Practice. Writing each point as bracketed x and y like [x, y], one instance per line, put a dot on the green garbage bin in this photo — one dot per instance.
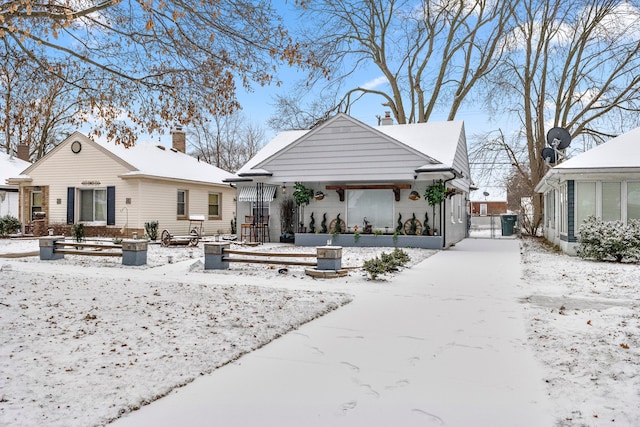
[508, 224]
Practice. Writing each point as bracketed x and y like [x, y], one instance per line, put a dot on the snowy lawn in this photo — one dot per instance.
[85, 339]
[584, 324]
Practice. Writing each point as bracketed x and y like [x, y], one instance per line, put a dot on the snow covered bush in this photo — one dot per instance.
[609, 240]
[9, 225]
[386, 263]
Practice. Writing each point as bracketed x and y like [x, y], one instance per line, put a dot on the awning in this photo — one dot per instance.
[250, 194]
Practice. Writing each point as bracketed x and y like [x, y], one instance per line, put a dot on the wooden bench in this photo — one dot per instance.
[217, 257]
[84, 248]
[132, 251]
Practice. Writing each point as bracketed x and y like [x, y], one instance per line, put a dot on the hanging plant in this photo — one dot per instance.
[436, 193]
[302, 194]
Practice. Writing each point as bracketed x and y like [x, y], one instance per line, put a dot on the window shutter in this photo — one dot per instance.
[111, 205]
[71, 192]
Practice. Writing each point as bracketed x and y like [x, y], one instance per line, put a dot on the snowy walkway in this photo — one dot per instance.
[443, 344]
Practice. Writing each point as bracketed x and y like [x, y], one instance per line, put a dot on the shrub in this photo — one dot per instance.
[151, 228]
[609, 240]
[77, 231]
[9, 225]
[386, 263]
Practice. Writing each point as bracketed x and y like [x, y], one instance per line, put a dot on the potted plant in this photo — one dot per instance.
[287, 220]
[435, 194]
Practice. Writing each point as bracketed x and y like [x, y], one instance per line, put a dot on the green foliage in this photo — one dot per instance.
[312, 224]
[413, 226]
[356, 236]
[301, 194]
[77, 231]
[338, 226]
[377, 233]
[400, 226]
[323, 224]
[436, 193]
[425, 225]
[386, 263]
[151, 228]
[609, 240]
[9, 225]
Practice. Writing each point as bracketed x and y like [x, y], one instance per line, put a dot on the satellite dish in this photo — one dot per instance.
[549, 155]
[558, 138]
[485, 193]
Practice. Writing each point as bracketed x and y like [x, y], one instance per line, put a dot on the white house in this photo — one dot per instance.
[114, 190]
[10, 166]
[602, 182]
[374, 178]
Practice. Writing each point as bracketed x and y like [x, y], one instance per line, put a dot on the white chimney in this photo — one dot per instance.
[386, 120]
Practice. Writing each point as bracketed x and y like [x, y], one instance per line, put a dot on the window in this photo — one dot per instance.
[611, 201]
[563, 208]
[483, 209]
[375, 205]
[93, 205]
[182, 203]
[633, 200]
[36, 203]
[550, 208]
[214, 204]
[585, 201]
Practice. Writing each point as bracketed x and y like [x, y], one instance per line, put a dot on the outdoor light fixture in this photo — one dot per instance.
[414, 195]
[284, 187]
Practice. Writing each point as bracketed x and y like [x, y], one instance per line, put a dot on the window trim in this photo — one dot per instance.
[93, 221]
[214, 217]
[185, 215]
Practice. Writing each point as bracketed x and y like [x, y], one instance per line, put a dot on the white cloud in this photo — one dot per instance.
[372, 84]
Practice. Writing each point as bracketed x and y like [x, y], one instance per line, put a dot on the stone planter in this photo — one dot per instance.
[369, 240]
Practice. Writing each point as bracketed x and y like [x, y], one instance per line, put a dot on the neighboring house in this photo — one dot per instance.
[488, 208]
[369, 175]
[602, 182]
[10, 166]
[115, 190]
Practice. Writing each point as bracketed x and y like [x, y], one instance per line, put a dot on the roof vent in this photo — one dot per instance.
[160, 147]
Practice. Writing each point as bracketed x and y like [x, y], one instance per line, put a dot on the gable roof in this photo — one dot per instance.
[620, 152]
[10, 166]
[620, 155]
[147, 159]
[347, 149]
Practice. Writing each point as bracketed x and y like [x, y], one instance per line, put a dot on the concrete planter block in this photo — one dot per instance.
[134, 252]
[329, 258]
[214, 256]
[47, 245]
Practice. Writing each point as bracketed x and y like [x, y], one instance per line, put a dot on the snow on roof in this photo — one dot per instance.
[438, 140]
[10, 167]
[149, 159]
[620, 152]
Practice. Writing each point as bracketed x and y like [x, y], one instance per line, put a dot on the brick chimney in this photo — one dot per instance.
[386, 120]
[179, 139]
[23, 152]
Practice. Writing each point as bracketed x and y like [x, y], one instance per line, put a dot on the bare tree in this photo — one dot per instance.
[430, 54]
[227, 142]
[575, 66]
[34, 110]
[145, 64]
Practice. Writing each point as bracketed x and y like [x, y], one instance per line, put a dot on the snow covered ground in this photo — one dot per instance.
[85, 339]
